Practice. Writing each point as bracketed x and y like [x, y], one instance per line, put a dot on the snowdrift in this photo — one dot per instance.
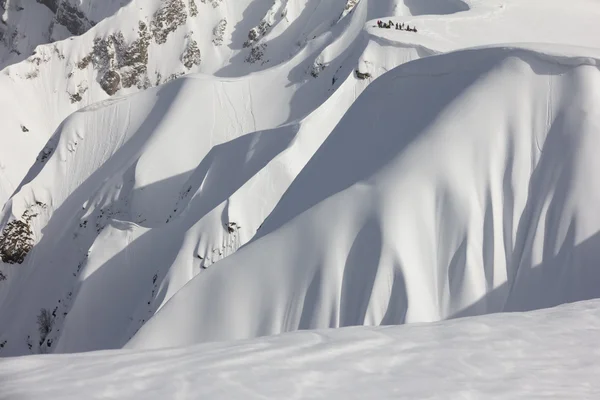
[459, 184]
[550, 353]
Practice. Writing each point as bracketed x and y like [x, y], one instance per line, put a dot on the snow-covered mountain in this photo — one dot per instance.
[186, 171]
[145, 44]
[26, 24]
[472, 205]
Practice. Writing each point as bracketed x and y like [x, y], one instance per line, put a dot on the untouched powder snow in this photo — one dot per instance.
[310, 170]
[549, 354]
[308, 40]
[455, 185]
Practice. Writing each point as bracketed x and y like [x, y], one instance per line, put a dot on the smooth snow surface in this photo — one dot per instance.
[549, 354]
[199, 171]
[474, 203]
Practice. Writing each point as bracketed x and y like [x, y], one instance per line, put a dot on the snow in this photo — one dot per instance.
[549, 354]
[474, 204]
[27, 24]
[308, 171]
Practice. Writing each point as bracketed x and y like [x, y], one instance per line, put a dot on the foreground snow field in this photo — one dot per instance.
[548, 354]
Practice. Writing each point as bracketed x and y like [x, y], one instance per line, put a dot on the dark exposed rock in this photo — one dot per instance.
[44, 154]
[361, 75]
[68, 15]
[317, 68]
[167, 19]
[85, 61]
[17, 39]
[173, 76]
[256, 53]
[123, 65]
[134, 59]
[111, 82]
[256, 33]
[78, 96]
[193, 8]
[219, 32]
[45, 321]
[232, 227]
[51, 4]
[191, 55]
[128, 61]
[72, 18]
[16, 240]
[75, 98]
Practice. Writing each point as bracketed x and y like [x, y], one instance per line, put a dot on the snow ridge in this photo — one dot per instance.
[267, 166]
[395, 240]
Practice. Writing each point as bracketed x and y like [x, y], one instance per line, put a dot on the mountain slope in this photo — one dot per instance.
[163, 168]
[432, 198]
[117, 55]
[444, 202]
[156, 177]
[147, 43]
[26, 24]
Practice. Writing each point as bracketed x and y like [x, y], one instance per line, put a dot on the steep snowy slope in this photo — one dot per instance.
[431, 198]
[550, 354]
[148, 168]
[145, 44]
[146, 159]
[26, 24]
[136, 195]
[149, 42]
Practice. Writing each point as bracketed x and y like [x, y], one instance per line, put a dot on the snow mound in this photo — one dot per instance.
[430, 199]
[550, 353]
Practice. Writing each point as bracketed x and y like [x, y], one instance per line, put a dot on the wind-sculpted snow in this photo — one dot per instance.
[432, 198]
[123, 175]
[453, 187]
[550, 354]
[148, 43]
[136, 164]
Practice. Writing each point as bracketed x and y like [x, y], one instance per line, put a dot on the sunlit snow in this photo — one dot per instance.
[192, 171]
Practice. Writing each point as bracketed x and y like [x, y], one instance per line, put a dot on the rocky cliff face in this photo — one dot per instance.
[69, 16]
[25, 24]
[120, 63]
